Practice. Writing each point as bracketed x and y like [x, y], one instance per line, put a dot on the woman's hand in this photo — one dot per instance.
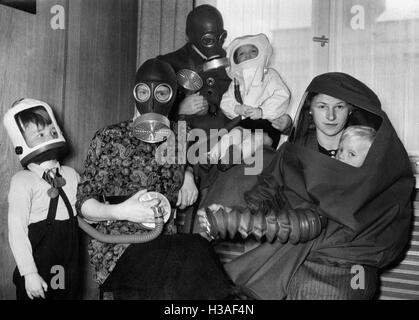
[282, 123]
[188, 193]
[254, 113]
[137, 211]
[35, 286]
[193, 104]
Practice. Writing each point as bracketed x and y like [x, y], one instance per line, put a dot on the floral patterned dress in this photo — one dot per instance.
[118, 164]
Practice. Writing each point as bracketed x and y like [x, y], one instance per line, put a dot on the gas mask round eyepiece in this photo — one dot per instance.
[142, 92]
[163, 93]
[210, 39]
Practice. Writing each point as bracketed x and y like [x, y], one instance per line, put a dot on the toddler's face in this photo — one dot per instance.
[246, 52]
[353, 150]
[35, 135]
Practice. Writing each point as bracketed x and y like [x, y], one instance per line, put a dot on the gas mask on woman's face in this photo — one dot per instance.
[154, 93]
[34, 132]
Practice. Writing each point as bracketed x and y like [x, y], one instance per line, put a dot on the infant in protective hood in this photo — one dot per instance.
[257, 94]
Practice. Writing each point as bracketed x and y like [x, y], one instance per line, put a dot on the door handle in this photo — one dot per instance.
[323, 40]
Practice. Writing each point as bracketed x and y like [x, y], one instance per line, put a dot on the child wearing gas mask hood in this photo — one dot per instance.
[257, 94]
[43, 231]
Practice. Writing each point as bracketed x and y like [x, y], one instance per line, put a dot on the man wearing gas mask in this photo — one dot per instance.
[121, 166]
[200, 68]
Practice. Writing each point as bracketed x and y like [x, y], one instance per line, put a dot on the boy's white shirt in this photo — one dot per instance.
[260, 86]
[24, 188]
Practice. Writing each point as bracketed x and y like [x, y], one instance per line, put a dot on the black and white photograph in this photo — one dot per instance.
[209, 154]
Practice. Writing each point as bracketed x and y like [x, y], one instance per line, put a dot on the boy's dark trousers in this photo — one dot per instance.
[55, 248]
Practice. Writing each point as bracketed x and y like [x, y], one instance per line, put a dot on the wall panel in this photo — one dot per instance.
[31, 65]
[100, 69]
[161, 27]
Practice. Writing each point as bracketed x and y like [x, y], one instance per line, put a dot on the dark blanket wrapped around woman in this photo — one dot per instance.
[368, 208]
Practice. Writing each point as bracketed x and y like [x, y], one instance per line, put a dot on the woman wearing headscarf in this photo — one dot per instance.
[344, 220]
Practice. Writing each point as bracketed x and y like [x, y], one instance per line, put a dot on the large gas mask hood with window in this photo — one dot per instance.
[34, 132]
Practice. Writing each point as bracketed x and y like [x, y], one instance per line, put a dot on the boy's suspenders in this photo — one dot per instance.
[52, 209]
